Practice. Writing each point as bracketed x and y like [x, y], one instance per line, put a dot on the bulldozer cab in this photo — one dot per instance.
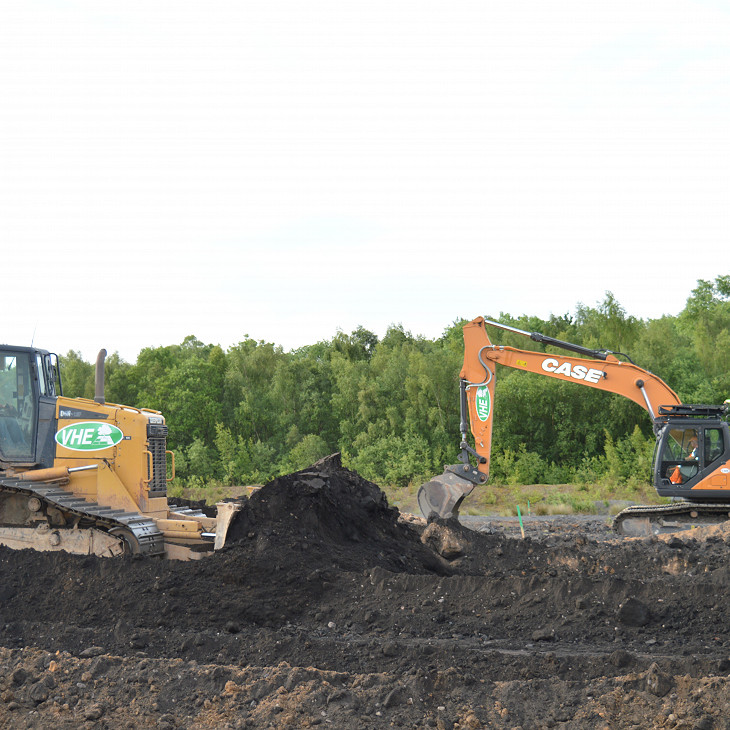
[692, 441]
[28, 386]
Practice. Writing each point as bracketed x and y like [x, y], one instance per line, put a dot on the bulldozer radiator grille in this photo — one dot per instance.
[157, 446]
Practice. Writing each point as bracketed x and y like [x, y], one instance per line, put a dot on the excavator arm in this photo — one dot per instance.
[596, 369]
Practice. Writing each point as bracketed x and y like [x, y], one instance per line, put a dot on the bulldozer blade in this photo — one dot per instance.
[226, 512]
[443, 495]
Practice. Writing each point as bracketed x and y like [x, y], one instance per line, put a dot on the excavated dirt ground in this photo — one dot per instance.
[327, 610]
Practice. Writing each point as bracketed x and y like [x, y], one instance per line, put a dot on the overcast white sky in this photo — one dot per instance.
[283, 170]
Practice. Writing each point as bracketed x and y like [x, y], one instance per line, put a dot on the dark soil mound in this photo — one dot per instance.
[335, 517]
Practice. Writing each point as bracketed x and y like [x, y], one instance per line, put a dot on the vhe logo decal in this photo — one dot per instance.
[89, 436]
[483, 402]
[579, 372]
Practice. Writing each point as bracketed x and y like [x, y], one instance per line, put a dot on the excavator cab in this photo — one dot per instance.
[693, 441]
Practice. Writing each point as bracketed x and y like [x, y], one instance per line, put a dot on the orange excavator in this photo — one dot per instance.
[691, 462]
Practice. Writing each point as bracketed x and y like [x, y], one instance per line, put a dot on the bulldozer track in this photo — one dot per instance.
[143, 529]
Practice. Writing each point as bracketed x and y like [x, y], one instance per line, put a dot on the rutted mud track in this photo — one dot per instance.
[327, 610]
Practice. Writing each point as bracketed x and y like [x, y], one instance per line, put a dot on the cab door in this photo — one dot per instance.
[18, 407]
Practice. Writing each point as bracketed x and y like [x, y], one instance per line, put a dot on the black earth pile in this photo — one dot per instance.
[329, 517]
[327, 610]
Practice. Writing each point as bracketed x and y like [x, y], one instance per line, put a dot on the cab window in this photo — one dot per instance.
[686, 451]
[714, 445]
[679, 444]
[41, 374]
[680, 455]
[17, 407]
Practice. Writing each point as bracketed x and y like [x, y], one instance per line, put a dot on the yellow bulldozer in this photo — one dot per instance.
[87, 476]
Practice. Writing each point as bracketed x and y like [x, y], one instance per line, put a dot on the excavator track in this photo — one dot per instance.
[133, 531]
[640, 520]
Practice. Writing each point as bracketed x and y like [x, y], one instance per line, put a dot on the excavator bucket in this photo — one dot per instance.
[443, 495]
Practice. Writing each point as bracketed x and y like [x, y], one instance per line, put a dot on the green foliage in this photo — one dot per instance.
[518, 466]
[118, 389]
[77, 376]
[306, 451]
[576, 501]
[628, 460]
[249, 406]
[200, 460]
[607, 326]
[396, 460]
[391, 406]
[242, 460]
[706, 322]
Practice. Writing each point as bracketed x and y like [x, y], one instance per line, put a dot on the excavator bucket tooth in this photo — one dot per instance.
[443, 495]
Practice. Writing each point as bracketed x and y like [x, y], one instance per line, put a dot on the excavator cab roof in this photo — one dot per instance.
[688, 410]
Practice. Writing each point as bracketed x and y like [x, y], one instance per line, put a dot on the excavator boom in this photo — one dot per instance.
[598, 369]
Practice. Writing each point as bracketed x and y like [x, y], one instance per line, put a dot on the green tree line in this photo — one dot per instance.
[391, 405]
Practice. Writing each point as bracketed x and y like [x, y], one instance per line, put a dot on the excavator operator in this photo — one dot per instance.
[683, 472]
